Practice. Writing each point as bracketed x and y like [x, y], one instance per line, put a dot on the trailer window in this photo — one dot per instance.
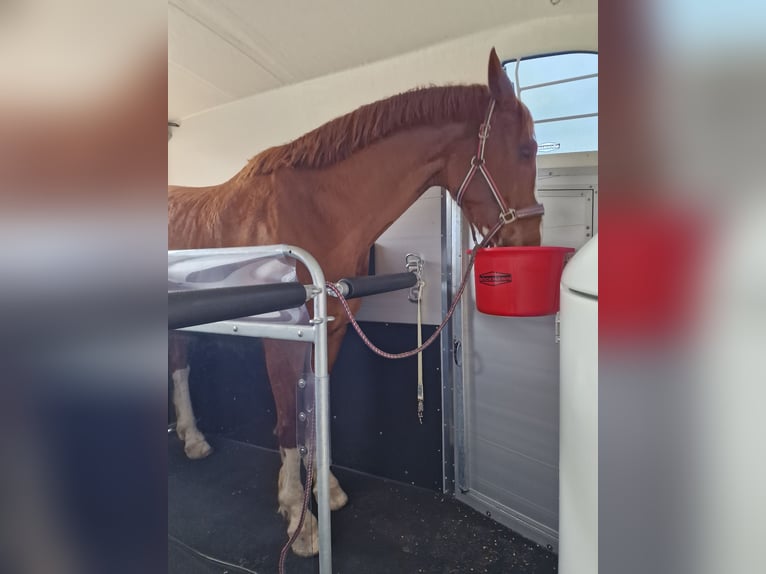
[561, 91]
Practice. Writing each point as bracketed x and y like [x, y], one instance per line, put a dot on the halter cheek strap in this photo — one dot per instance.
[507, 214]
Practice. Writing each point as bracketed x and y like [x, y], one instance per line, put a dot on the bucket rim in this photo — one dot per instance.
[525, 249]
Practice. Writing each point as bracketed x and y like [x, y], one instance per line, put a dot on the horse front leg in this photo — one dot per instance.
[335, 334]
[195, 445]
[284, 363]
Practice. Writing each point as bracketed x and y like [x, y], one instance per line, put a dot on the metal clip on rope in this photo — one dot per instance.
[335, 290]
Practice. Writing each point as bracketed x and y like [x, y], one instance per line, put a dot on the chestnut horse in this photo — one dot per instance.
[334, 191]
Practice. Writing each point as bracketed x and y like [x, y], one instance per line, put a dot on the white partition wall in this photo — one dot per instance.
[578, 460]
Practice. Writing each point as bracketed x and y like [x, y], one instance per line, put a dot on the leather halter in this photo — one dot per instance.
[507, 214]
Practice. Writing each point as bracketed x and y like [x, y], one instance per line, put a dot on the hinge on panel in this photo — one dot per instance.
[557, 327]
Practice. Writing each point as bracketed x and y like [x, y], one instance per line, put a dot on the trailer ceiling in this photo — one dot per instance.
[226, 50]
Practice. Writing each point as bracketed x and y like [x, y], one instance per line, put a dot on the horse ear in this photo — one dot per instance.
[500, 85]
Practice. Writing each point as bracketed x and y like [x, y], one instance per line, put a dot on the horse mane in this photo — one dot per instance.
[340, 138]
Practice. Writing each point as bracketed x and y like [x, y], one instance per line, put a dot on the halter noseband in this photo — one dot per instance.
[507, 214]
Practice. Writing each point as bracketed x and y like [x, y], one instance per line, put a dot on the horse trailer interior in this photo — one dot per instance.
[473, 486]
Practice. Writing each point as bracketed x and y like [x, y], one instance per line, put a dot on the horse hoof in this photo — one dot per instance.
[307, 543]
[198, 449]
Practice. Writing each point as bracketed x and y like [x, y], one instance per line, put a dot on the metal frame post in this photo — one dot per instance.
[322, 407]
[316, 332]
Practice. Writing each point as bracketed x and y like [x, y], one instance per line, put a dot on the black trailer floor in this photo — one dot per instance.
[225, 506]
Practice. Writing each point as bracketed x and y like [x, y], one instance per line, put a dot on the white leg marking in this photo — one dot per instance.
[195, 445]
[291, 502]
[338, 498]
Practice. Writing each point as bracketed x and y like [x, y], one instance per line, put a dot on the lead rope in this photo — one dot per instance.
[421, 392]
[336, 291]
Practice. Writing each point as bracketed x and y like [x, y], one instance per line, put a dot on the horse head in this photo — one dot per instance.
[492, 173]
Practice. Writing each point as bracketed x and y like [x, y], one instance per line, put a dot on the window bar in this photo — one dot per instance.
[564, 118]
[561, 81]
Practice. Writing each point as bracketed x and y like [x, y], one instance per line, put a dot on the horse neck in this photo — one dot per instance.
[375, 186]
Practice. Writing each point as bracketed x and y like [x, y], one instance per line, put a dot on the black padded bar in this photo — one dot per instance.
[201, 306]
[375, 284]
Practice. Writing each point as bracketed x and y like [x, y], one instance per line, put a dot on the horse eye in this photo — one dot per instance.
[525, 152]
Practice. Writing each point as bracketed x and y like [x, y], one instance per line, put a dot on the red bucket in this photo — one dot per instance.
[519, 281]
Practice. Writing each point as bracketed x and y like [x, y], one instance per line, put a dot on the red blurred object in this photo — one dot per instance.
[519, 281]
[650, 271]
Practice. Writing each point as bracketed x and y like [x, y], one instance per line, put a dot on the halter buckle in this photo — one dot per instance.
[484, 131]
[477, 161]
[507, 217]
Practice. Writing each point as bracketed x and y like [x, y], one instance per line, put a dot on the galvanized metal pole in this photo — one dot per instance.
[322, 408]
